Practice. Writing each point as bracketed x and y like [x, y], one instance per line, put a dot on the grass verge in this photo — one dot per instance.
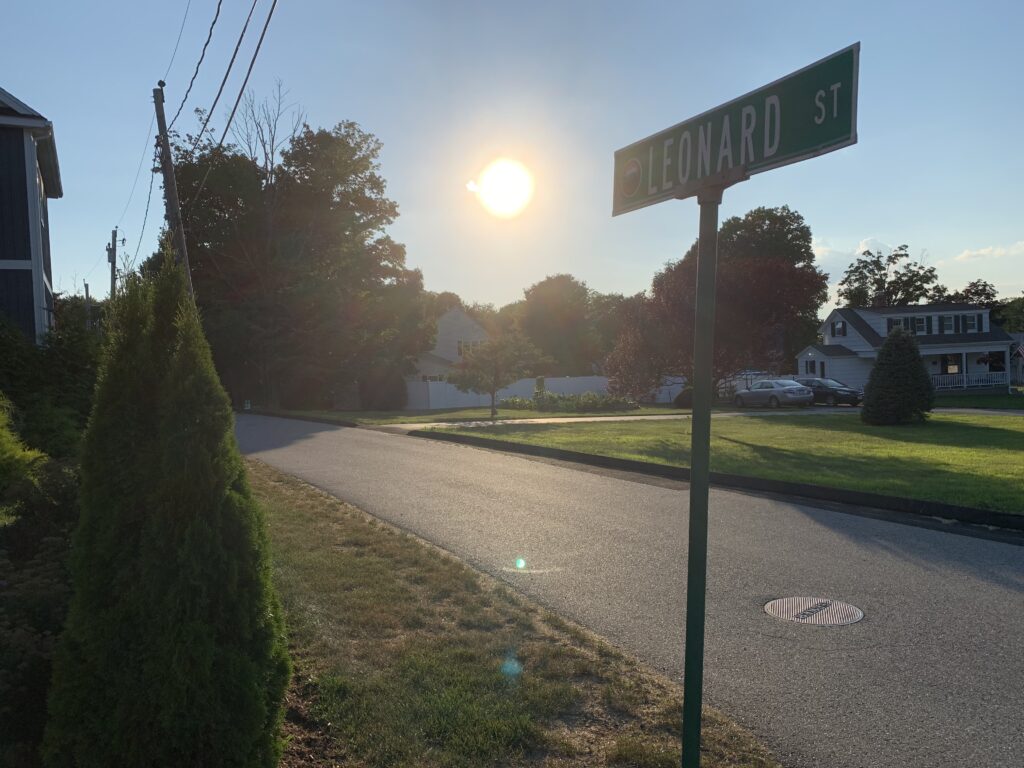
[964, 459]
[404, 656]
[455, 415]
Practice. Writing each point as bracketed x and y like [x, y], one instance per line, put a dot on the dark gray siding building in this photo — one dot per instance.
[29, 177]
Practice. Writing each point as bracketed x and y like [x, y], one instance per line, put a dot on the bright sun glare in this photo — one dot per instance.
[504, 188]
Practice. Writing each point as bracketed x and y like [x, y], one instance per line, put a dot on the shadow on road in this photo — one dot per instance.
[265, 433]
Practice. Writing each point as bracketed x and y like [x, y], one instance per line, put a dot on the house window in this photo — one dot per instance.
[839, 328]
[809, 367]
[945, 324]
[919, 325]
[467, 347]
[970, 323]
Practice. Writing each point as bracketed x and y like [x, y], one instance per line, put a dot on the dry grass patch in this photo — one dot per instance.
[405, 656]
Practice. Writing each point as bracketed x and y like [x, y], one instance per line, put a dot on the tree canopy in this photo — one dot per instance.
[302, 292]
[877, 279]
[768, 294]
[495, 365]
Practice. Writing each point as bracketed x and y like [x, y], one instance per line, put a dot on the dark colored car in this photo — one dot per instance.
[832, 392]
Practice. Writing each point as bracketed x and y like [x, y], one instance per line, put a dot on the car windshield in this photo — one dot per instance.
[786, 383]
[832, 383]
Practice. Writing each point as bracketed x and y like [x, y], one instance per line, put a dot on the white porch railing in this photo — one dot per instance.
[969, 380]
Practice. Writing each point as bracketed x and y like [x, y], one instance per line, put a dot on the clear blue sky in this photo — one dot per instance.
[448, 86]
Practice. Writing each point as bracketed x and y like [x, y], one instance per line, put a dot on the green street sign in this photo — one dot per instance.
[802, 115]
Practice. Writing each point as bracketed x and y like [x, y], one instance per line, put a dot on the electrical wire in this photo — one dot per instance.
[241, 91]
[224, 80]
[138, 169]
[145, 216]
[202, 55]
[176, 42]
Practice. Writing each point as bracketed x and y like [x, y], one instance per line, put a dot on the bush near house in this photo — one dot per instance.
[899, 390]
[588, 402]
[173, 652]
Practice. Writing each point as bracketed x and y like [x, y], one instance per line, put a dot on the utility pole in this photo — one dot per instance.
[172, 208]
[112, 258]
[88, 309]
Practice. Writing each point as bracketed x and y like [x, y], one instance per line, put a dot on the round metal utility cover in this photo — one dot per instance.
[820, 611]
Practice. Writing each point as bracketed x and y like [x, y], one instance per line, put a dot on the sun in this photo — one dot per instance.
[505, 188]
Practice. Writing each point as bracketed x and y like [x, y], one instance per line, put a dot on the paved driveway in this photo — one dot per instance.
[933, 676]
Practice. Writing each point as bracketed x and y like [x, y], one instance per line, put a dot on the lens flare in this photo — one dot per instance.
[520, 563]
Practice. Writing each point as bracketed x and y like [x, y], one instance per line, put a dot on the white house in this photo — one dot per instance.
[29, 176]
[457, 334]
[960, 348]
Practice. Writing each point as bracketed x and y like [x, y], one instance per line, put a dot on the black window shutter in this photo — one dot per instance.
[980, 327]
[941, 318]
[833, 329]
[889, 323]
[956, 323]
[928, 324]
[844, 327]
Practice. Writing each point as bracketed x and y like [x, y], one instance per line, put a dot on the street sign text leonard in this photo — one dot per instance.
[802, 115]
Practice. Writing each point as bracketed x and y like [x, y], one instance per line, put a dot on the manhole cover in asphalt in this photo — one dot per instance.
[814, 610]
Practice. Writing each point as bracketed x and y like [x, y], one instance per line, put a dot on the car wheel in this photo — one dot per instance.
[738, 401]
[830, 400]
[773, 402]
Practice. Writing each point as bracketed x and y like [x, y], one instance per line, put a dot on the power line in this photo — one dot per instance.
[224, 80]
[145, 216]
[138, 169]
[199, 63]
[176, 42]
[241, 91]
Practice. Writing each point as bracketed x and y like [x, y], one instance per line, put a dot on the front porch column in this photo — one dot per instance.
[963, 370]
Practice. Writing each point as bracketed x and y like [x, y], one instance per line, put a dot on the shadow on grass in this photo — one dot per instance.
[944, 432]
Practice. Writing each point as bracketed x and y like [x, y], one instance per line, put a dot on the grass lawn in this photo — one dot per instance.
[1002, 402]
[463, 414]
[406, 657]
[970, 460]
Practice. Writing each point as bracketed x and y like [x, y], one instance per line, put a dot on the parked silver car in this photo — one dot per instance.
[773, 393]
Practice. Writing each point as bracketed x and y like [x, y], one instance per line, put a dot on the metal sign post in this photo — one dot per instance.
[803, 115]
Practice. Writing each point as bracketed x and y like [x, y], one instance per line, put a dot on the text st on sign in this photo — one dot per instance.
[802, 115]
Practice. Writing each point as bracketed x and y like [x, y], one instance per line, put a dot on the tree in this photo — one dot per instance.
[980, 292]
[766, 304]
[556, 319]
[880, 280]
[899, 390]
[495, 365]
[302, 292]
[1010, 314]
[173, 652]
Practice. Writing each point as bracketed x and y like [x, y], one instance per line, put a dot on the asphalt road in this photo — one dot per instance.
[933, 675]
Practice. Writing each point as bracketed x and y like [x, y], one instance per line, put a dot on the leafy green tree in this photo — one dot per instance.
[980, 292]
[767, 299]
[1010, 314]
[173, 652]
[556, 319]
[899, 390]
[888, 280]
[302, 292]
[495, 365]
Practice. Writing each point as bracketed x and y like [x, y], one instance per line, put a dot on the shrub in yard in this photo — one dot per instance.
[173, 652]
[899, 390]
[588, 402]
[516, 404]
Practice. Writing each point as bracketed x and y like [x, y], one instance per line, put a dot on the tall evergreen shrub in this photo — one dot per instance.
[899, 390]
[173, 653]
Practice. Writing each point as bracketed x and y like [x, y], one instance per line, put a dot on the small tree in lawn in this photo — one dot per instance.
[899, 390]
[494, 366]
